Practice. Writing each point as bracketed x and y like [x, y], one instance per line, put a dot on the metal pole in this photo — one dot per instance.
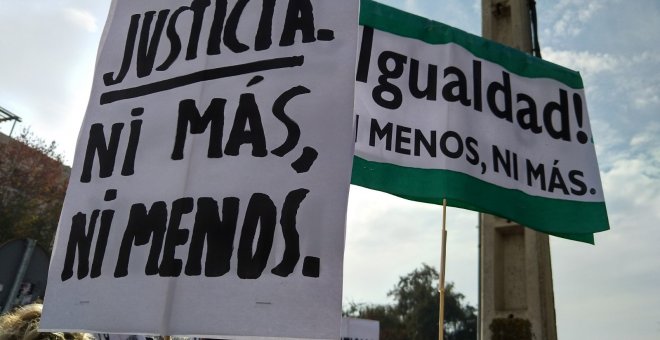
[441, 283]
[479, 279]
[12, 128]
[25, 263]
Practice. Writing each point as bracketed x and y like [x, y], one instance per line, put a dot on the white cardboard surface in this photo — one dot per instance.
[306, 86]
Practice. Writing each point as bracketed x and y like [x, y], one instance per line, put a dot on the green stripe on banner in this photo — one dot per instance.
[392, 20]
[567, 219]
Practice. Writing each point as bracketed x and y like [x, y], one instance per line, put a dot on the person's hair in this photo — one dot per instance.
[23, 324]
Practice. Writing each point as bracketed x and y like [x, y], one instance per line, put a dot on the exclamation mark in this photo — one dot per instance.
[577, 103]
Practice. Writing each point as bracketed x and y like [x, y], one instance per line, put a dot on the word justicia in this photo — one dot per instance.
[226, 32]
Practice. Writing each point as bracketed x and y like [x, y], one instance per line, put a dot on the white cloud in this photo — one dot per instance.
[586, 62]
[585, 13]
[635, 76]
[645, 148]
[632, 186]
[573, 15]
[647, 138]
[609, 143]
[81, 18]
[388, 237]
[47, 81]
[619, 273]
[645, 93]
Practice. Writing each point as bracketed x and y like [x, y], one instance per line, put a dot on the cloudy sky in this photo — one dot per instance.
[606, 291]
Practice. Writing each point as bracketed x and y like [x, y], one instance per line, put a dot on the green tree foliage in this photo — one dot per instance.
[33, 182]
[415, 314]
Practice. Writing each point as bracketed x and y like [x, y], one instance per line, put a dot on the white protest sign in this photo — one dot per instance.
[209, 188]
[359, 329]
[441, 113]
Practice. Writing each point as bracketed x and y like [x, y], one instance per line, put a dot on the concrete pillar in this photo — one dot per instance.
[516, 277]
[515, 270]
[507, 22]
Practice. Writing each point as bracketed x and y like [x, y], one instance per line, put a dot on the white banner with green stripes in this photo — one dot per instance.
[440, 113]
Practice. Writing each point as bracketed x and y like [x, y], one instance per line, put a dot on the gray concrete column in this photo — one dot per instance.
[515, 270]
